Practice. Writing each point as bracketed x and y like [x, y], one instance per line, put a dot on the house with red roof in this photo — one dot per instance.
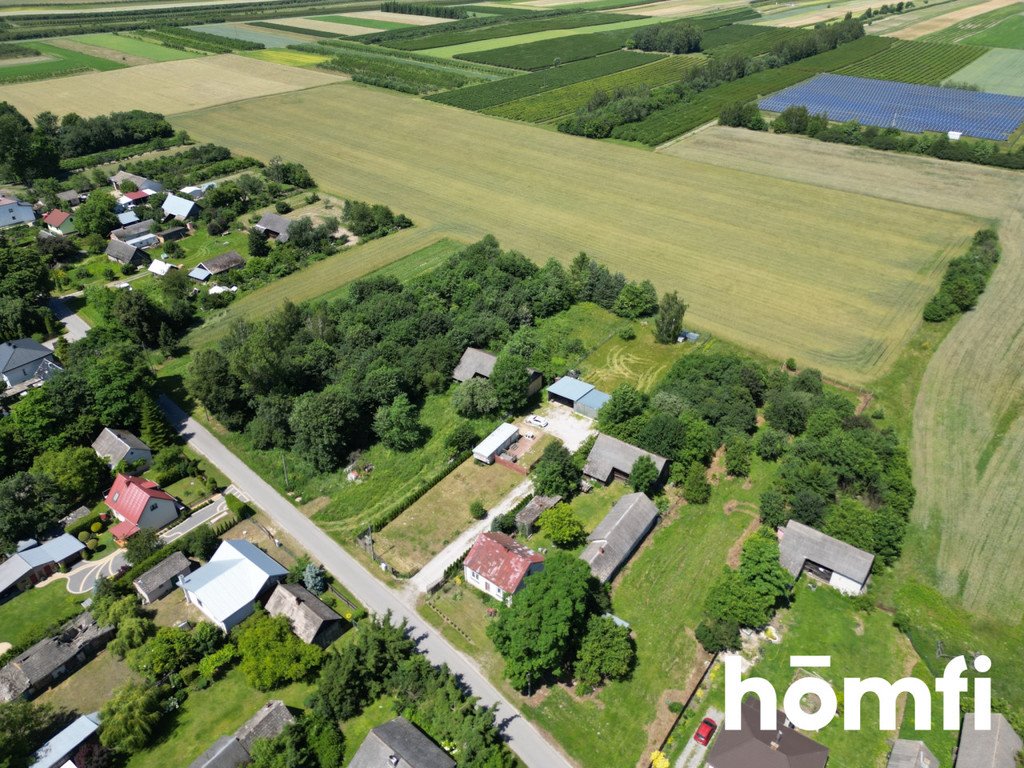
[498, 565]
[139, 503]
[59, 222]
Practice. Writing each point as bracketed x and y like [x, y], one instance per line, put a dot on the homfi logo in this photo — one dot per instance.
[952, 685]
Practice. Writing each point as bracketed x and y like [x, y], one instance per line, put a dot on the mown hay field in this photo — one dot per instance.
[998, 71]
[168, 87]
[837, 280]
[133, 46]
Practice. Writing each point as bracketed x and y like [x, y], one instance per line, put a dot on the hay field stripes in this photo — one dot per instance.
[167, 87]
[999, 10]
[1009, 33]
[915, 61]
[933, 18]
[998, 71]
[551, 105]
[849, 293]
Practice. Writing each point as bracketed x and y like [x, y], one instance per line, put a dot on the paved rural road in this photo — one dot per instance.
[432, 573]
[533, 749]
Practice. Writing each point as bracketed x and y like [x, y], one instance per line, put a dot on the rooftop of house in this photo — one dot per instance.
[21, 352]
[911, 754]
[400, 744]
[129, 496]
[233, 751]
[276, 223]
[160, 573]
[223, 262]
[122, 252]
[994, 748]
[306, 612]
[501, 560]
[619, 534]
[132, 230]
[569, 388]
[474, 362]
[116, 443]
[178, 206]
[610, 455]
[233, 578]
[56, 217]
[779, 747]
[800, 543]
[34, 555]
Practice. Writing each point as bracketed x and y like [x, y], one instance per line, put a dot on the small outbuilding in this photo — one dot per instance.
[584, 398]
[496, 443]
[841, 565]
[611, 458]
[160, 268]
[123, 253]
[498, 565]
[312, 620]
[217, 265]
[274, 226]
[400, 744]
[132, 232]
[997, 747]
[527, 517]
[618, 536]
[59, 751]
[911, 754]
[117, 445]
[162, 577]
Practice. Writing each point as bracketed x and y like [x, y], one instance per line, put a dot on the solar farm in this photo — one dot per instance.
[914, 108]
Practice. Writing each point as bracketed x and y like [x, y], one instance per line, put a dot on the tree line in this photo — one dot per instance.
[425, 9]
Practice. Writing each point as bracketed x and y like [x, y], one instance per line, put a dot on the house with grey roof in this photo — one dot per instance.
[123, 253]
[162, 577]
[217, 265]
[312, 620]
[911, 754]
[750, 747]
[59, 751]
[127, 217]
[234, 750]
[51, 660]
[117, 445]
[611, 458]
[618, 536]
[21, 361]
[400, 744]
[227, 587]
[34, 562]
[841, 565]
[997, 747]
[274, 226]
[179, 208]
[479, 364]
[528, 516]
[132, 232]
[140, 182]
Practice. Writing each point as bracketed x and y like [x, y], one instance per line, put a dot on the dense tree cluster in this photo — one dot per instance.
[382, 660]
[552, 630]
[743, 115]
[668, 38]
[272, 656]
[365, 220]
[24, 725]
[25, 283]
[965, 279]
[190, 166]
[426, 9]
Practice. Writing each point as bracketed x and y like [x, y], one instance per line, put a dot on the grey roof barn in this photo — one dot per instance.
[994, 748]
[162, 577]
[474, 362]
[223, 262]
[400, 744]
[801, 544]
[115, 445]
[610, 457]
[617, 537]
[233, 751]
[130, 232]
[275, 226]
[911, 754]
[124, 253]
[312, 620]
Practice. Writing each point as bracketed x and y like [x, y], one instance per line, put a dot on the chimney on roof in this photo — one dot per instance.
[393, 759]
[777, 741]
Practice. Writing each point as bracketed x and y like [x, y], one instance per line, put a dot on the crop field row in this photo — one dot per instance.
[551, 105]
[915, 61]
[492, 94]
[360, 22]
[133, 46]
[959, 32]
[753, 45]
[851, 292]
[63, 62]
[509, 29]
[734, 33]
[498, 10]
[679, 118]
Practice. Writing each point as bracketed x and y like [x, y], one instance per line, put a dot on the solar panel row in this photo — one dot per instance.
[914, 108]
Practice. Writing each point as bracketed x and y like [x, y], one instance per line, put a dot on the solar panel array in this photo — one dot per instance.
[913, 108]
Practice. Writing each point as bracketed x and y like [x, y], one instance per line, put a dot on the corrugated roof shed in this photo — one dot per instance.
[498, 438]
[529, 514]
[53, 752]
[400, 738]
[801, 543]
[610, 455]
[569, 388]
[911, 754]
[474, 362]
[617, 536]
[995, 748]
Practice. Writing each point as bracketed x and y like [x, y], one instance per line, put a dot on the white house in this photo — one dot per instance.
[226, 588]
[496, 442]
[117, 445]
[139, 503]
[497, 564]
[841, 565]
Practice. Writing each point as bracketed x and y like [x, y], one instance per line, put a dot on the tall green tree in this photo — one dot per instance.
[96, 215]
[29, 504]
[510, 380]
[323, 423]
[24, 725]
[397, 426]
[78, 474]
[562, 526]
[143, 544]
[696, 488]
[155, 431]
[636, 300]
[606, 653]
[668, 323]
[129, 718]
[555, 473]
[258, 245]
[643, 477]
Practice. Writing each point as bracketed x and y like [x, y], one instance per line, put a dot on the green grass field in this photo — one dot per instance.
[998, 71]
[851, 294]
[34, 610]
[361, 22]
[135, 47]
[1006, 34]
[915, 61]
[959, 32]
[64, 62]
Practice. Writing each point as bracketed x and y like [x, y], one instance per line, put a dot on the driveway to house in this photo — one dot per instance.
[532, 747]
[75, 327]
[565, 424]
[431, 574]
[83, 576]
[694, 753]
[216, 510]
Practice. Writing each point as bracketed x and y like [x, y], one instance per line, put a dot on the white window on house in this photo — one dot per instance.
[117, 495]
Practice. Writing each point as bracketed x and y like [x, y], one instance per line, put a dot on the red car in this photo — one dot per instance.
[705, 731]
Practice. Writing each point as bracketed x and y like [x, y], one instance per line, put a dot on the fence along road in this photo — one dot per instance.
[527, 742]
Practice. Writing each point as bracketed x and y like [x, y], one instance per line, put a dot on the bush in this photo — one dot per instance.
[96, 527]
[477, 510]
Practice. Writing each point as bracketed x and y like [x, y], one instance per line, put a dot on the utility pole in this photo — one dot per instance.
[284, 466]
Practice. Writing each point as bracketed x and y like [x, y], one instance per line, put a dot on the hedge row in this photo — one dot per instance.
[413, 496]
[121, 153]
[82, 525]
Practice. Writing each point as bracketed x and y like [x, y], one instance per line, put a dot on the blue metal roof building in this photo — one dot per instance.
[60, 748]
[582, 397]
[591, 403]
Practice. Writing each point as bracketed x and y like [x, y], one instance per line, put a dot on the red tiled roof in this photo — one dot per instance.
[123, 530]
[129, 496]
[139, 195]
[501, 560]
[56, 217]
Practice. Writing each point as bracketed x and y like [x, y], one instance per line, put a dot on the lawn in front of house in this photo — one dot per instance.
[590, 508]
[88, 689]
[357, 728]
[572, 335]
[27, 614]
[207, 715]
[409, 541]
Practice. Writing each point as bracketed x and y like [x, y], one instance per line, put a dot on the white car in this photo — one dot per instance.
[536, 421]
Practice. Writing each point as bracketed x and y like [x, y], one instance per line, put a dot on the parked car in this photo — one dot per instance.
[536, 421]
[705, 731]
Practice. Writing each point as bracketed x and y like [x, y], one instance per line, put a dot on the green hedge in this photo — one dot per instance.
[84, 524]
[121, 153]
